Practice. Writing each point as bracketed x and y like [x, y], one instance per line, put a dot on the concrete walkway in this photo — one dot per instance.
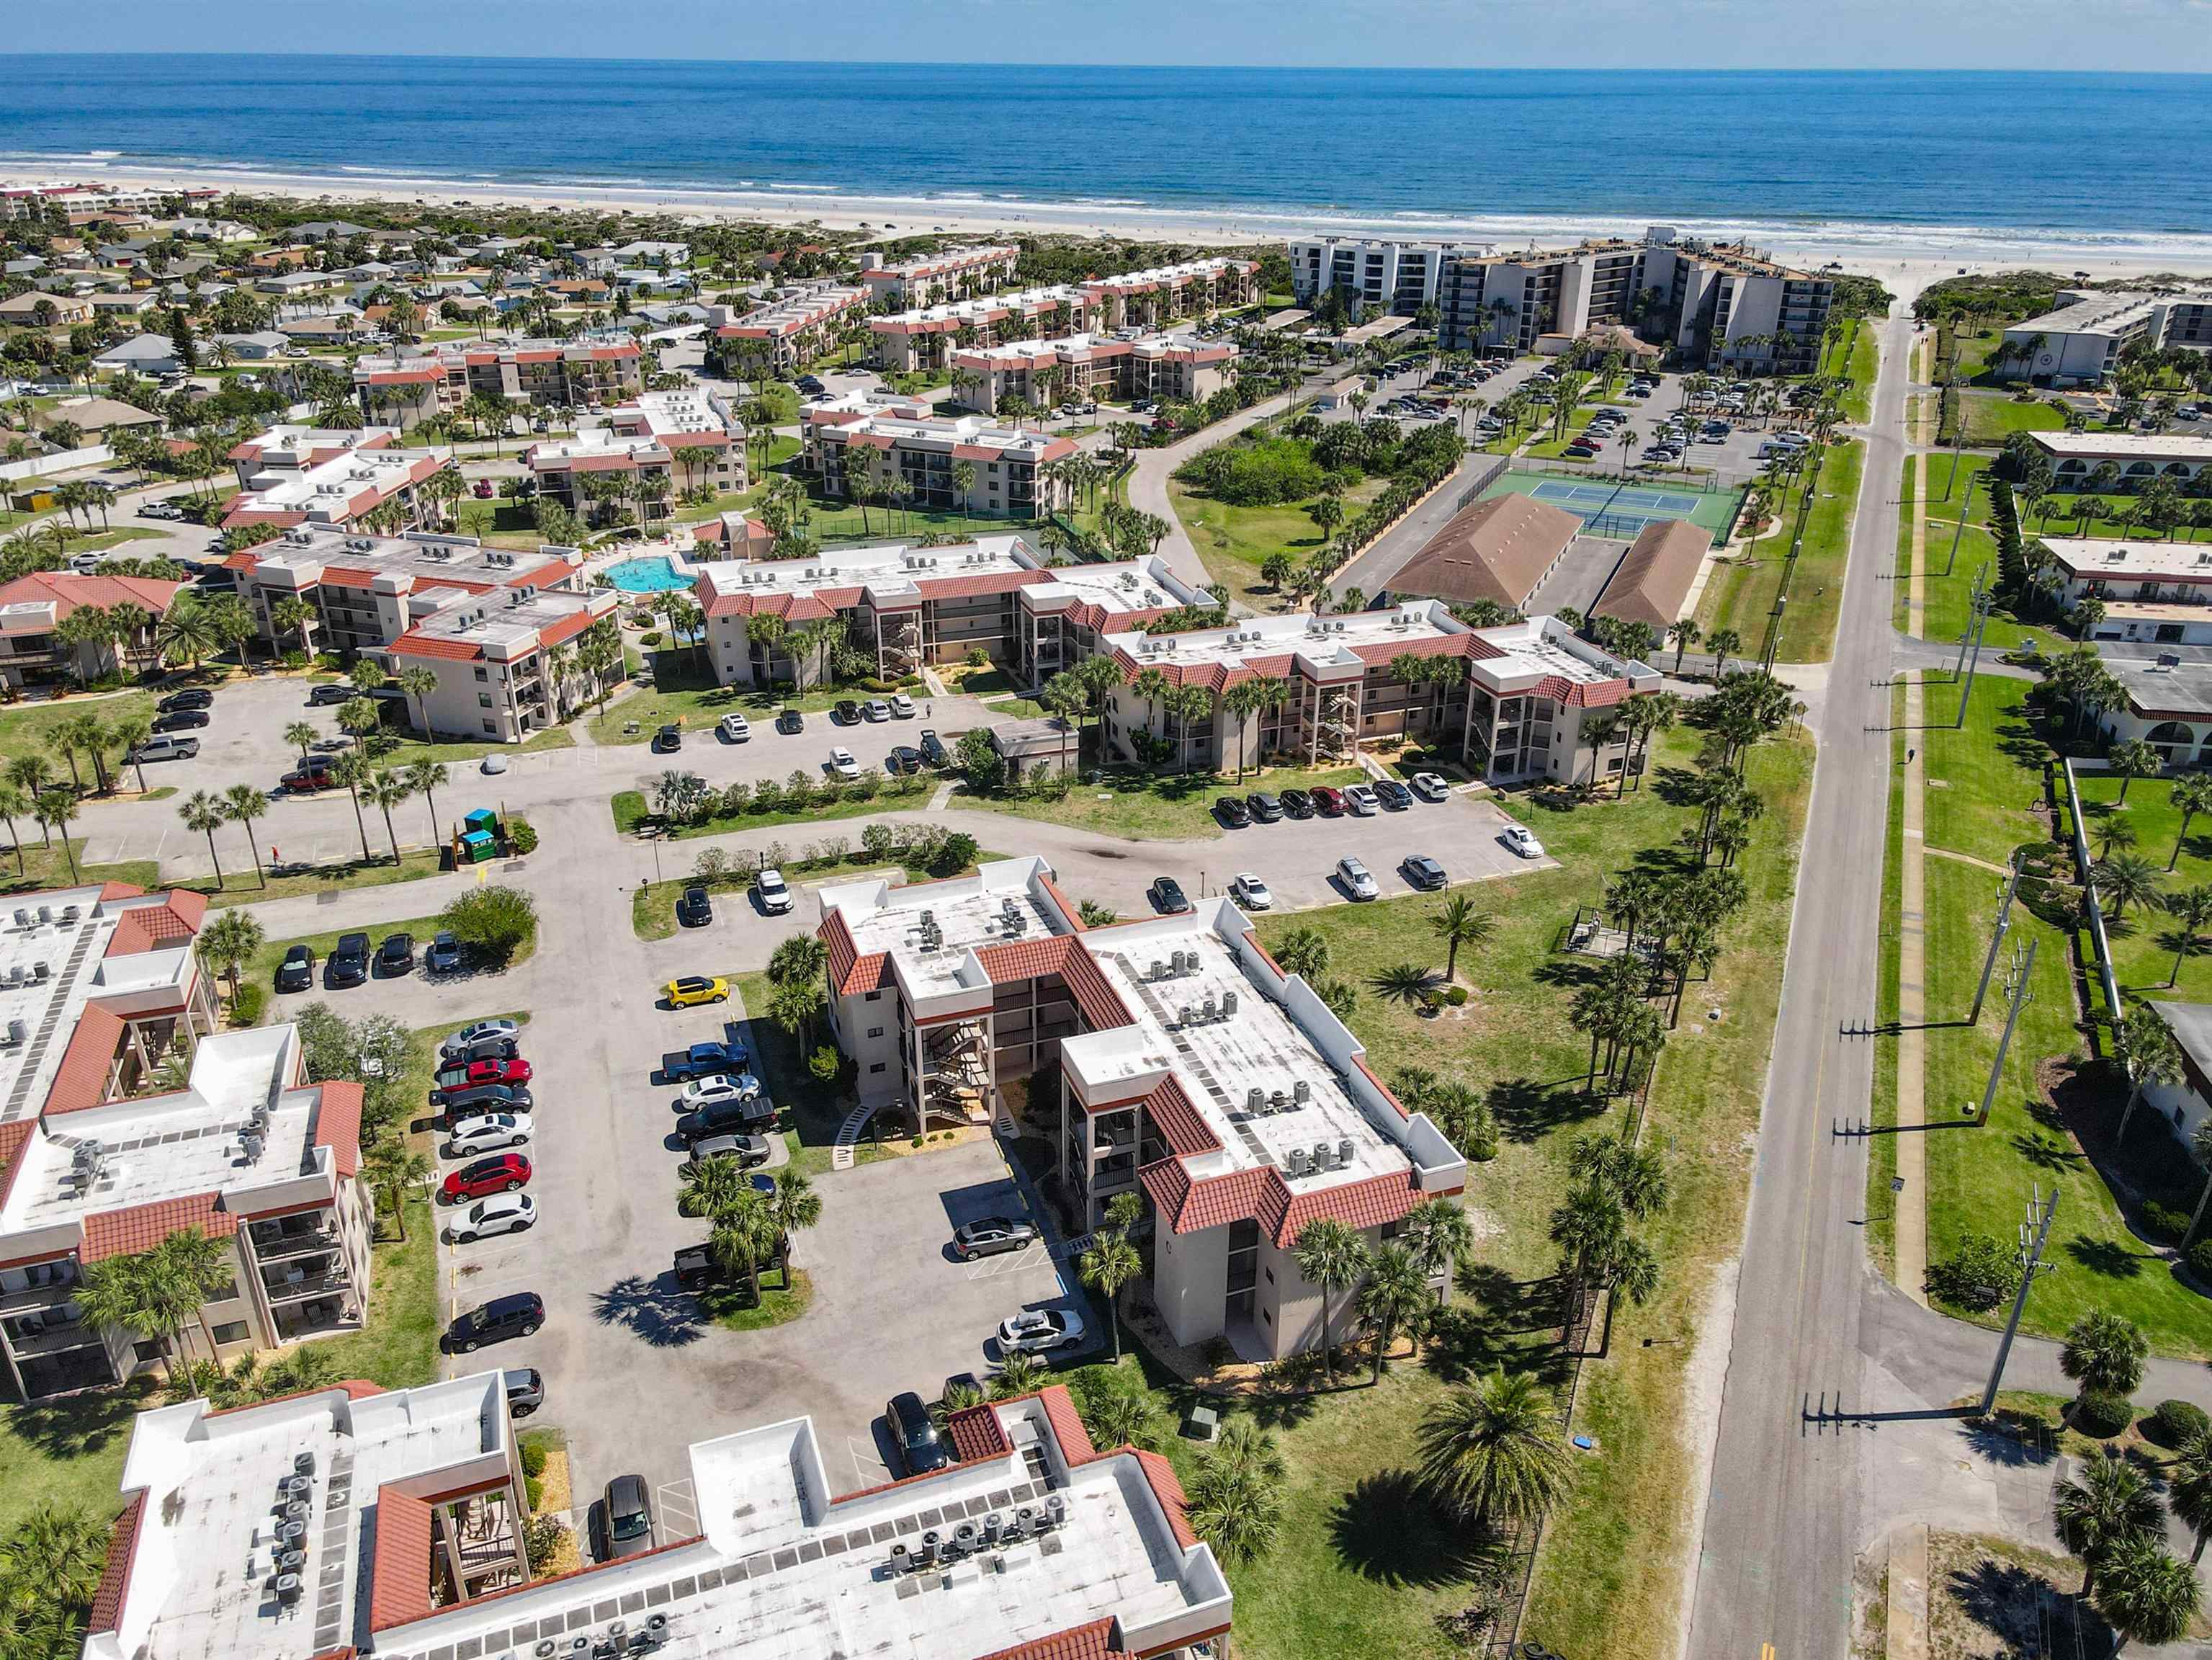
[1912, 1143]
[1148, 482]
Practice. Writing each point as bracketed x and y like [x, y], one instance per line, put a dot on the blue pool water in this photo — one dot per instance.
[656, 574]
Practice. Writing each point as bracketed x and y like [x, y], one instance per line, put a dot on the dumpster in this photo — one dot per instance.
[476, 846]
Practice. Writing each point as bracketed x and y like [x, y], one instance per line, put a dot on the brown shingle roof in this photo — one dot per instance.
[1496, 550]
[1655, 574]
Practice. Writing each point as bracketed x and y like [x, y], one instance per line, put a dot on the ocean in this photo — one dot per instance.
[2051, 160]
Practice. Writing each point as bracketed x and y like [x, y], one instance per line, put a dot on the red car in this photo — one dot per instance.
[483, 490]
[502, 1173]
[516, 1071]
[1329, 803]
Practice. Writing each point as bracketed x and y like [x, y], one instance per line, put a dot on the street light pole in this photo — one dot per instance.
[2034, 1234]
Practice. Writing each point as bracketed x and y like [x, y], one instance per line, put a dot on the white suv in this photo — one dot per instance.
[775, 893]
[736, 728]
[1361, 800]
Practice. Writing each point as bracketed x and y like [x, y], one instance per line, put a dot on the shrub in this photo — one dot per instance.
[245, 1008]
[2176, 1422]
[496, 920]
[534, 1458]
[1456, 996]
[1980, 1274]
[522, 835]
[650, 637]
[533, 1490]
[2163, 1223]
[295, 659]
[2102, 1412]
[2200, 1260]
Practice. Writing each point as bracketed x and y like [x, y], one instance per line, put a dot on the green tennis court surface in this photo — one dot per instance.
[1625, 511]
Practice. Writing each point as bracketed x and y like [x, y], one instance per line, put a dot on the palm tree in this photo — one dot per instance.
[242, 804]
[1459, 923]
[2104, 1354]
[2109, 1509]
[203, 813]
[193, 1266]
[352, 770]
[2148, 1594]
[1110, 1263]
[1019, 1373]
[1119, 1417]
[1722, 642]
[1332, 1257]
[1439, 1234]
[743, 1233]
[392, 1166]
[2132, 760]
[2125, 879]
[2192, 909]
[15, 805]
[56, 809]
[2189, 1492]
[418, 682]
[228, 943]
[386, 790]
[1396, 1295]
[792, 1207]
[1492, 1451]
[128, 733]
[1236, 1492]
[2147, 1045]
[61, 1553]
[2200, 1150]
[2192, 795]
[1408, 983]
[426, 778]
[303, 737]
[1303, 951]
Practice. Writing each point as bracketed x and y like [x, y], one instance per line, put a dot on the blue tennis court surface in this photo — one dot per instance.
[1624, 500]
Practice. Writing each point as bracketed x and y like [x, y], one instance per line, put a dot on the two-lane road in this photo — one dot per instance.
[1782, 1511]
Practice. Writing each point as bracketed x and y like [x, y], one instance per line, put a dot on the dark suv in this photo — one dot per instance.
[297, 971]
[1232, 811]
[396, 956]
[725, 1116]
[516, 1314]
[932, 748]
[468, 1102]
[915, 1444]
[348, 962]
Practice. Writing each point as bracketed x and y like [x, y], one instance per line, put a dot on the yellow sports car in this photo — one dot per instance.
[697, 989]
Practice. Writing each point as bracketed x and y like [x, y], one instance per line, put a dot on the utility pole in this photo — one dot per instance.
[1996, 940]
[1967, 634]
[2034, 1234]
[2016, 989]
[1966, 691]
[1959, 529]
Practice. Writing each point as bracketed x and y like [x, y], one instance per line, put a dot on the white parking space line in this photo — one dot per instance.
[676, 1508]
[868, 1470]
[1010, 1262]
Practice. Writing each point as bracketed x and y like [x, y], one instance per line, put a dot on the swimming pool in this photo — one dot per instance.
[653, 575]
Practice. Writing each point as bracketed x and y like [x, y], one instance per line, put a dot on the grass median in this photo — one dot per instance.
[1741, 593]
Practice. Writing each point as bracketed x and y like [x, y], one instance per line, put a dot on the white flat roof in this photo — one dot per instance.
[985, 304]
[1221, 1060]
[2100, 313]
[327, 491]
[1545, 646]
[1322, 640]
[173, 1146]
[2109, 556]
[304, 551]
[881, 566]
[1120, 587]
[72, 956]
[2124, 445]
[996, 906]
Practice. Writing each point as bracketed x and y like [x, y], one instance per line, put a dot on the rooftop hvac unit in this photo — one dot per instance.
[22, 916]
[1301, 1092]
[1298, 1164]
[1055, 1510]
[18, 1033]
[1256, 1100]
[1157, 971]
[46, 914]
[41, 972]
[1228, 1005]
[1320, 1156]
[1344, 1152]
[251, 1145]
[1213, 1010]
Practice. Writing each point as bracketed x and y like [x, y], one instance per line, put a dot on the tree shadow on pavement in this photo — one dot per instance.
[653, 1310]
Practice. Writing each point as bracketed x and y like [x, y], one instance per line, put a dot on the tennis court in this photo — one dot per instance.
[1621, 511]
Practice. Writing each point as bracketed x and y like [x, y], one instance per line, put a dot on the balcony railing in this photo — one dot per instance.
[274, 1244]
[57, 1338]
[322, 1282]
[37, 1297]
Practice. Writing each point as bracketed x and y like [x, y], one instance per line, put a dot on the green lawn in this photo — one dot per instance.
[1948, 587]
[68, 1452]
[813, 1111]
[464, 753]
[1232, 541]
[2144, 948]
[43, 868]
[1991, 420]
[1551, 449]
[2060, 520]
[1740, 594]
[29, 728]
[1856, 358]
[238, 888]
[1979, 1175]
[1170, 807]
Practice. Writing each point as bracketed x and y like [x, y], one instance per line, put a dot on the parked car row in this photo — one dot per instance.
[1324, 801]
[176, 718]
[352, 961]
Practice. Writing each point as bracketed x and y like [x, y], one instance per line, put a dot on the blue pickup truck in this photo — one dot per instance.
[703, 1061]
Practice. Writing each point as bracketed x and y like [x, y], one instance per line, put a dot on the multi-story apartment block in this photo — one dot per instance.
[910, 607]
[1715, 306]
[492, 656]
[790, 332]
[366, 591]
[291, 448]
[2139, 457]
[955, 274]
[406, 387]
[926, 337]
[1034, 1544]
[1514, 712]
[1191, 1069]
[32, 607]
[1155, 298]
[334, 493]
[2112, 571]
[1013, 474]
[688, 436]
[1397, 278]
[1179, 367]
[99, 990]
[2080, 341]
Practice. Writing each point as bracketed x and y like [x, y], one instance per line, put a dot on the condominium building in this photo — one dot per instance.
[412, 386]
[2079, 342]
[1393, 277]
[955, 274]
[293, 447]
[790, 332]
[1514, 711]
[1191, 1070]
[493, 657]
[353, 1520]
[1178, 367]
[2137, 458]
[2108, 569]
[1715, 306]
[1148, 299]
[689, 437]
[334, 493]
[1009, 473]
[2165, 698]
[909, 607]
[35, 605]
[366, 591]
[100, 993]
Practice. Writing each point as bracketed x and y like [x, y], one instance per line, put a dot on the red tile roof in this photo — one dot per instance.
[419, 645]
[82, 1080]
[849, 972]
[12, 1138]
[338, 1125]
[1261, 1195]
[107, 1614]
[137, 1228]
[399, 1585]
[67, 591]
[357, 1388]
[1099, 1640]
[1066, 1424]
[977, 1434]
[146, 927]
[1176, 1117]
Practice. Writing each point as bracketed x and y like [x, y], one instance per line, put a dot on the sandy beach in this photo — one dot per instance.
[1905, 258]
